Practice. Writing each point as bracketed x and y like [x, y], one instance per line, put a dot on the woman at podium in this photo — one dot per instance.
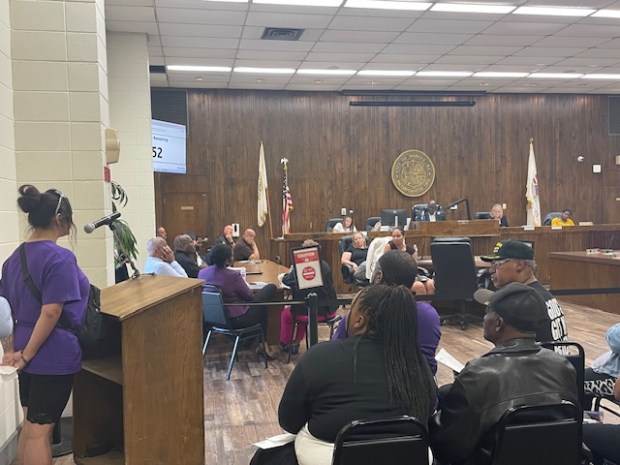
[41, 281]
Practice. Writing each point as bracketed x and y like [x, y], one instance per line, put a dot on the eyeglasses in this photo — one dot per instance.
[497, 263]
[60, 197]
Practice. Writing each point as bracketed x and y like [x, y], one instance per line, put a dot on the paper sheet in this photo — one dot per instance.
[448, 360]
[5, 369]
[275, 441]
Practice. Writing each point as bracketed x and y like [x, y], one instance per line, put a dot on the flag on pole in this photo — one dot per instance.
[532, 192]
[263, 210]
[287, 200]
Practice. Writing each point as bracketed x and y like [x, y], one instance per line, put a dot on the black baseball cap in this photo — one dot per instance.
[521, 306]
[510, 249]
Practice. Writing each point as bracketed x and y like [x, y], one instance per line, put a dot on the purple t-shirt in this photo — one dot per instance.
[56, 274]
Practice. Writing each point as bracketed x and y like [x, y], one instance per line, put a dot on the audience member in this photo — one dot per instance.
[513, 262]
[432, 213]
[564, 220]
[346, 226]
[423, 285]
[517, 371]
[226, 237]
[600, 379]
[236, 290]
[603, 439]
[246, 248]
[161, 259]
[185, 254]
[396, 268]
[497, 212]
[377, 372]
[161, 232]
[288, 315]
[197, 242]
[45, 355]
[355, 257]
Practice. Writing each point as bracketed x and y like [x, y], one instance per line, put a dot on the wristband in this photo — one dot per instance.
[24, 359]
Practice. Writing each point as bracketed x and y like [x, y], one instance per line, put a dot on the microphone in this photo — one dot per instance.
[106, 220]
[609, 249]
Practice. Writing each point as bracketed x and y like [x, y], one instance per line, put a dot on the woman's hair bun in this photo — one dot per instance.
[30, 198]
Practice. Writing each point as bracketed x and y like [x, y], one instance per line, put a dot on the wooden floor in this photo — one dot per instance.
[244, 410]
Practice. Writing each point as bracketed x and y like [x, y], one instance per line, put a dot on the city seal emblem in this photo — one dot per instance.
[413, 173]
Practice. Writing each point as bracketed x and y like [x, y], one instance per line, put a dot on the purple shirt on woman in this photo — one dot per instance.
[56, 274]
[233, 286]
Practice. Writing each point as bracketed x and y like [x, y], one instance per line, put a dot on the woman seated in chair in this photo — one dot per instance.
[300, 312]
[423, 284]
[355, 257]
[600, 378]
[346, 226]
[497, 212]
[236, 290]
[377, 372]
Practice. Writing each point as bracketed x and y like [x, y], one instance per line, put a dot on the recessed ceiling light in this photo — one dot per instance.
[490, 74]
[472, 8]
[444, 73]
[549, 11]
[328, 72]
[260, 80]
[387, 5]
[371, 72]
[555, 75]
[227, 1]
[607, 14]
[611, 77]
[242, 69]
[328, 3]
[200, 78]
[205, 69]
[318, 81]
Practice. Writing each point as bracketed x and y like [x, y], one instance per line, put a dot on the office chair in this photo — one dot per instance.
[549, 216]
[417, 211]
[216, 321]
[329, 226]
[483, 215]
[371, 222]
[455, 276]
[575, 354]
[347, 275]
[397, 441]
[539, 435]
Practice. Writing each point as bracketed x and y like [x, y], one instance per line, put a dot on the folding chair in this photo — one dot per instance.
[216, 321]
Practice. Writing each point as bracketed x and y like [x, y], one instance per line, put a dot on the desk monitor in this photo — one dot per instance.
[394, 217]
[483, 215]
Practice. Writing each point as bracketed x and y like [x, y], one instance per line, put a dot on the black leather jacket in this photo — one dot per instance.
[516, 372]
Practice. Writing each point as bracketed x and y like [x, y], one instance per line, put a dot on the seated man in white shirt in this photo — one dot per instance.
[161, 259]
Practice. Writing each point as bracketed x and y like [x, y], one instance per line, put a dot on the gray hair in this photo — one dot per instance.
[153, 244]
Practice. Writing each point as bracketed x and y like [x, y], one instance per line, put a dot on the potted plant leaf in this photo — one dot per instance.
[125, 243]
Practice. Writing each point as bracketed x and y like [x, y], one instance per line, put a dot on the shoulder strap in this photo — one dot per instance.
[26, 273]
[62, 321]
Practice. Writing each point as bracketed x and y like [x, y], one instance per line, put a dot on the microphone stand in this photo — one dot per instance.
[124, 256]
[455, 203]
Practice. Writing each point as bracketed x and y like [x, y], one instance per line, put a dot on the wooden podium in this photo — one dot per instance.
[145, 404]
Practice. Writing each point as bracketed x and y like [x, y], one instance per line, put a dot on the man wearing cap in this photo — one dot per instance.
[517, 371]
[513, 262]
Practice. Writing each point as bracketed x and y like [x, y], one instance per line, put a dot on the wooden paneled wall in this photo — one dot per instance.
[341, 156]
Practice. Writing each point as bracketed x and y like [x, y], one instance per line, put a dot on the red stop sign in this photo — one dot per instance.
[308, 273]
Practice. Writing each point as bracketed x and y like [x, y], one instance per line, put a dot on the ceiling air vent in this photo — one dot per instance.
[282, 33]
[155, 69]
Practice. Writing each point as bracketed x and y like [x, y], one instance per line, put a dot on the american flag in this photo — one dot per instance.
[287, 203]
